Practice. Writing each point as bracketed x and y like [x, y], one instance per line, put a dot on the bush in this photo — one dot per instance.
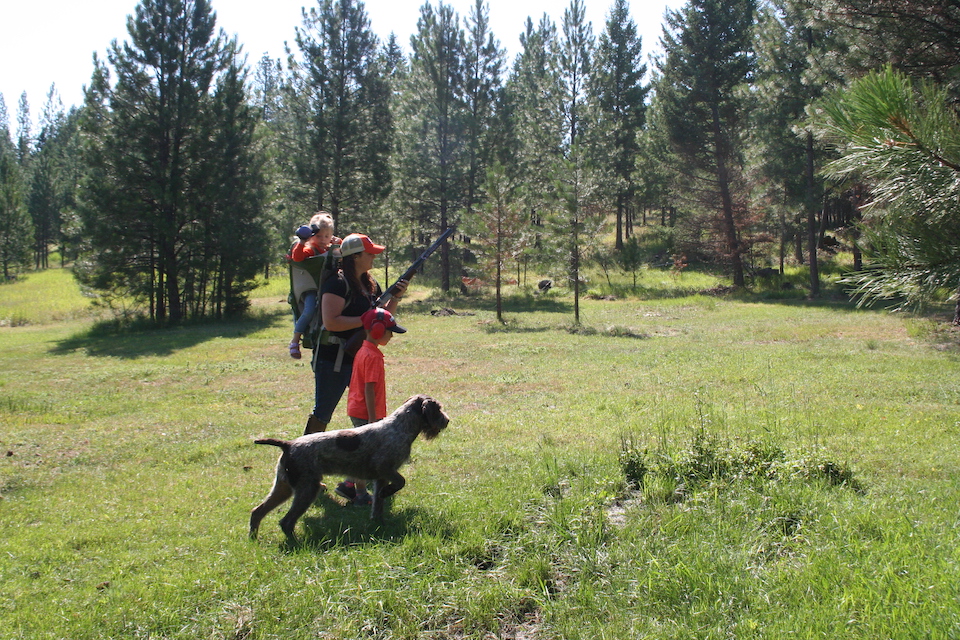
[707, 460]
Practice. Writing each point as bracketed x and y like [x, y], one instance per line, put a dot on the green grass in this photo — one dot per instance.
[127, 472]
[43, 297]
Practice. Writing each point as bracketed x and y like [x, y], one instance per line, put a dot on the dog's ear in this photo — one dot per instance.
[421, 402]
[434, 416]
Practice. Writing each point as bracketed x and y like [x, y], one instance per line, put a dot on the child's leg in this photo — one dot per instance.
[309, 310]
[303, 323]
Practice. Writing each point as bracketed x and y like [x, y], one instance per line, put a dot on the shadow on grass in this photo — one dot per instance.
[643, 292]
[139, 340]
[792, 290]
[515, 302]
[336, 526]
[513, 327]
[838, 299]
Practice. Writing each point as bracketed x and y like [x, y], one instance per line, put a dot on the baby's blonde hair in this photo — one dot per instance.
[323, 220]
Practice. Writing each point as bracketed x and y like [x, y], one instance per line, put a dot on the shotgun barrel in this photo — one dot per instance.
[412, 270]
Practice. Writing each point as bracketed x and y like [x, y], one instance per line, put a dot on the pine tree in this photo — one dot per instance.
[534, 98]
[146, 155]
[267, 88]
[149, 202]
[657, 172]
[708, 56]
[382, 223]
[236, 198]
[572, 176]
[620, 96]
[15, 229]
[572, 191]
[285, 204]
[344, 126]
[500, 232]
[434, 154]
[49, 184]
[576, 53]
[781, 161]
[483, 69]
[919, 37]
[903, 139]
[70, 168]
[24, 131]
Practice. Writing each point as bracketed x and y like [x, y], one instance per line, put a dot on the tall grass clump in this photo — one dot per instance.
[672, 473]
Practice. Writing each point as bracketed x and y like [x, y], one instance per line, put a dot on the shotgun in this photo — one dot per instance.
[353, 343]
[412, 270]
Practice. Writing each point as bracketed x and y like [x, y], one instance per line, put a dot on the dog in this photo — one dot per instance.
[372, 452]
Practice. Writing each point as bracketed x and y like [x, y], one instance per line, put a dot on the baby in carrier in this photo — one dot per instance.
[313, 240]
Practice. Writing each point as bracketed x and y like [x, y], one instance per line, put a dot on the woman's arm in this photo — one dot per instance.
[331, 310]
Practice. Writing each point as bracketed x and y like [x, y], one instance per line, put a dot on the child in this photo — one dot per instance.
[309, 245]
[367, 400]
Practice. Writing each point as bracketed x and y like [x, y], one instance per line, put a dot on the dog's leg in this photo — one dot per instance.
[384, 488]
[279, 494]
[376, 507]
[303, 496]
[396, 482]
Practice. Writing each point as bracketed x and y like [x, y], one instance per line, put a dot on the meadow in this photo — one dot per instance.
[680, 465]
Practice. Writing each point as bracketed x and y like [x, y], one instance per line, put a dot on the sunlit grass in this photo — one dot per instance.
[43, 297]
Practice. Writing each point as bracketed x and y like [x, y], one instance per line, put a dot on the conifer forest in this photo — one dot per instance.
[758, 133]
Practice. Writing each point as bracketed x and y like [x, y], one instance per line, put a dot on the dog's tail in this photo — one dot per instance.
[292, 474]
[283, 444]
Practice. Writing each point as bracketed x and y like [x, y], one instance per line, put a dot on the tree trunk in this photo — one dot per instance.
[783, 238]
[499, 265]
[620, 208]
[726, 199]
[576, 274]
[797, 239]
[857, 253]
[812, 221]
[444, 261]
[172, 310]
[956, 309]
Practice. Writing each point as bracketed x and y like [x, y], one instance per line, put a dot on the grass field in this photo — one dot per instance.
[679, 466]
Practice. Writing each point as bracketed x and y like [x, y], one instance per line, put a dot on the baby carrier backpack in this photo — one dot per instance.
[309, 275]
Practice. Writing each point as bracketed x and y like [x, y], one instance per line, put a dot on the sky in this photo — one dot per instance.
[44, 42]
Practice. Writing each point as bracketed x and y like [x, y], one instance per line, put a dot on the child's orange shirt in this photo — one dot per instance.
[303, 250]
[368, 366]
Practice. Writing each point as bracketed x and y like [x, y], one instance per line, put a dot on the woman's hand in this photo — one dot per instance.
[400, 287]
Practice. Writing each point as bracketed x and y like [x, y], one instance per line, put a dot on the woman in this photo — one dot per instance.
[343, 300]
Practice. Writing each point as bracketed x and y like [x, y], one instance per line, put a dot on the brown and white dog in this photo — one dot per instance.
[372, 452]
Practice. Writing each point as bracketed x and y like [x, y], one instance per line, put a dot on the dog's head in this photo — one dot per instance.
[435, 420]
